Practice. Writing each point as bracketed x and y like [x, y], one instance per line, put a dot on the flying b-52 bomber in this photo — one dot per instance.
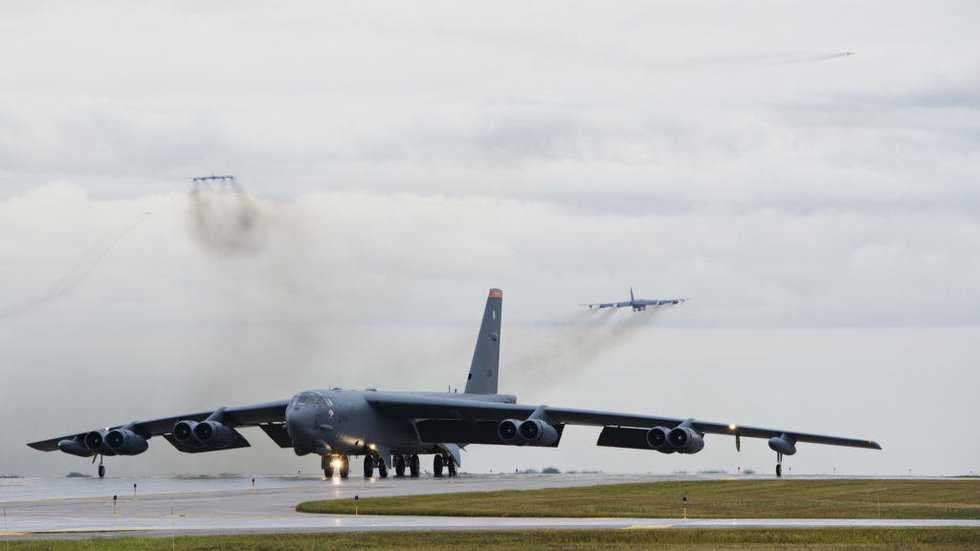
[637, 304]
[391, 429]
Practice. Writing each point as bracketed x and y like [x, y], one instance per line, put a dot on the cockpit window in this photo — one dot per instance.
[309, 398]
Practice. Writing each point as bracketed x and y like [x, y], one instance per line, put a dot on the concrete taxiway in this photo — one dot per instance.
[158, 506]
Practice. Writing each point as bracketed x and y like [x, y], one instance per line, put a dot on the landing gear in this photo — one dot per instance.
[382, 468]
[101, 466]
[437, 465]
[399, 466]
[413, 465]
[344, 466]
[452, 466]
[326, 462]
[779, 465]
[368, 466]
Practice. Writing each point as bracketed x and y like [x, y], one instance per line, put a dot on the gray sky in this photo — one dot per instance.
[820, 209]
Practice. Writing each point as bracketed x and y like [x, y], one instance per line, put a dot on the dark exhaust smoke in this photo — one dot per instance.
[226, 221]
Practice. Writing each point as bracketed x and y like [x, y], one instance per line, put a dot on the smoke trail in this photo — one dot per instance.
[78, 273]
[569, 345]
[226, 221]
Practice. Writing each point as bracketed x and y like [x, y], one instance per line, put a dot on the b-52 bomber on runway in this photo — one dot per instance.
[637, 304]
[391, 429]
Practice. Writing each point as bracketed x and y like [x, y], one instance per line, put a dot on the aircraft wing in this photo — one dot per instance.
[243, 416]
[452, 408]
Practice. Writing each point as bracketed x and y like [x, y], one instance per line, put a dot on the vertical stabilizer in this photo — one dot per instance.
[486, 356]
[631, 295]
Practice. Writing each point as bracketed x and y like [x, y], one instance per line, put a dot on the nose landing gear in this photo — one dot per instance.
[327, 462]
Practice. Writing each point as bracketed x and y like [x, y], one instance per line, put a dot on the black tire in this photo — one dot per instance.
[452, 466]
[368, 466]
[328, 471]
[437, 465]
[779, 470]
[399, 466]
[413, 465]
[344, 467]
[382, 468]
[101, 471]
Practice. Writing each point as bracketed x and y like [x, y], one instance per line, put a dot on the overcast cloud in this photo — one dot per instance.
[820, 209]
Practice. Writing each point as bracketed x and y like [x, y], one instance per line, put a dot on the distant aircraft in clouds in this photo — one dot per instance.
[636, 304]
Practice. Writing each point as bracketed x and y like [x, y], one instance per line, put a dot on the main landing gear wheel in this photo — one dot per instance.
[452, 466]
[368, 466]
[327, 463]
[399, 466]
[101, 471]
[779, 465]
[437, 465]
[382, 468]
[413, 465]
[344, 466]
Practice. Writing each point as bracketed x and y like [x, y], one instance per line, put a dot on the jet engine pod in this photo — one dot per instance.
[213, 434]
[125, 442]
[538, 433]
[685, 440]
[184, 433]
[507, 431]
[95, 442]
[783, 444]
[657, 439]
[75, 446]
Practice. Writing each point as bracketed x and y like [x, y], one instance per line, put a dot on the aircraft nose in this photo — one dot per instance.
[298, 423]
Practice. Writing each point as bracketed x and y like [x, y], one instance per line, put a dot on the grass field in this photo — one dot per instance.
[823, 539]
[787, 498]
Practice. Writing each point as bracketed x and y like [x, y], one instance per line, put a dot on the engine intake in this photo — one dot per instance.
[125, 442]
[95, 442]
[784, 444]
[213, 434]
[685, 440]
[184, 433]
[507, 431]
[657, 439]
[538, 433]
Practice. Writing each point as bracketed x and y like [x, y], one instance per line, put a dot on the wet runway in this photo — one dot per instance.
[83, 507]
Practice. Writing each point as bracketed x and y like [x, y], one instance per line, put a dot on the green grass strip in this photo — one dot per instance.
[824, 539]
[787, 498]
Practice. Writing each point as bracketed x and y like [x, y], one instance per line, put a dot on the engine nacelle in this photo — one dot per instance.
[125, 442]
[75, 446]
[95, 442]
[213, 434]
[783, 444]
[184, 433]
[507, 431]
[657, 439]
[538, 433]
[685, 440]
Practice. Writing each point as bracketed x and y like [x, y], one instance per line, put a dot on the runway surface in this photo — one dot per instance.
[84, 507]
